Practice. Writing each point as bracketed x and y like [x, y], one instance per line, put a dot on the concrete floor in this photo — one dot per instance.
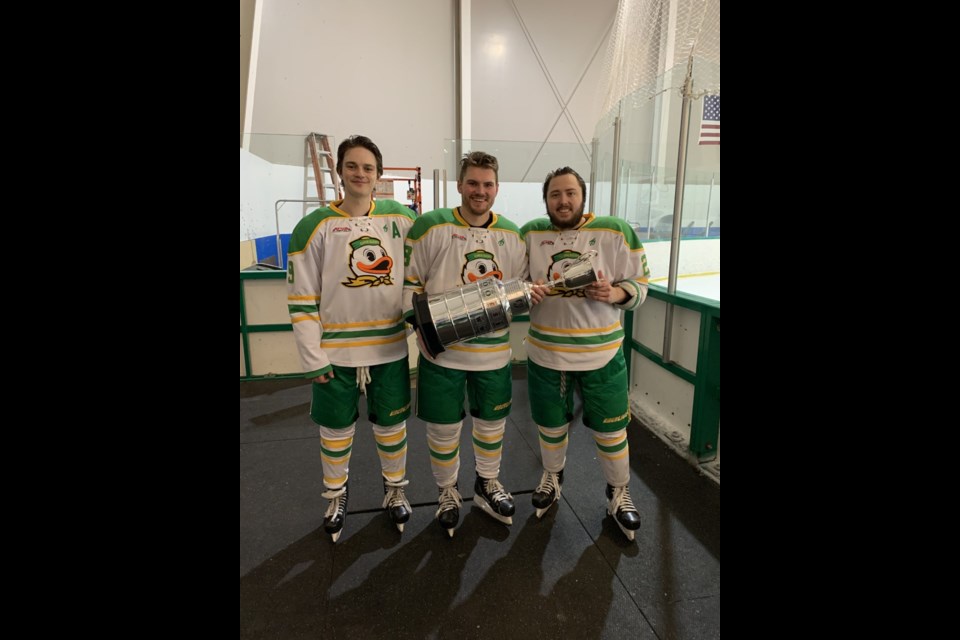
[571, 574]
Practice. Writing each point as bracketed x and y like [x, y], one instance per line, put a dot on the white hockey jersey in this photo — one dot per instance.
[345, 286]
[568, 331]
[444, 252]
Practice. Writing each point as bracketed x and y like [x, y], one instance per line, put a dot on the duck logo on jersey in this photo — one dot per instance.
[479, 265]
[555, 271]
[369, 263]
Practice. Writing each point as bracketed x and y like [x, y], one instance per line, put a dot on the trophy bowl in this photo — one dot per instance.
[485, 306]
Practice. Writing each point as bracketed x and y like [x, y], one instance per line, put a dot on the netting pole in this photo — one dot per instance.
[615, 170]
[678, 206]
[594, 152]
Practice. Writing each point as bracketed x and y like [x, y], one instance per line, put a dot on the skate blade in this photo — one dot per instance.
[399, 526]
[629, 533]
[542, 511]
[487, 509]
[450, 532]
[336, 536]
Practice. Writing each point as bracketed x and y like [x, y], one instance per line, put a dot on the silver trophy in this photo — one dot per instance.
[486, 305]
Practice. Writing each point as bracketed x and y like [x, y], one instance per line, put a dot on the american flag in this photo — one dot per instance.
[710, 125]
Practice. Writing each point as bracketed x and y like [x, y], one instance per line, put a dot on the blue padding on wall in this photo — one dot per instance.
[267, 249]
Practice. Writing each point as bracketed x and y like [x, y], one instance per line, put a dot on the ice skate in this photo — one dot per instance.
[547, 492]
[620, 506]
[448, 513]
[493, 499]
[336, 511]
[396, 503]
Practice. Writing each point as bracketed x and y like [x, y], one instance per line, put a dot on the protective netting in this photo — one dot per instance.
[651, 45]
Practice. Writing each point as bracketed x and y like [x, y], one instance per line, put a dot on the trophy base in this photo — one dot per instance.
[428, 330]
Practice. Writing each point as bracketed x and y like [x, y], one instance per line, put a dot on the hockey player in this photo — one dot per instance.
[575, 339]
[448, 248]
[344, 292]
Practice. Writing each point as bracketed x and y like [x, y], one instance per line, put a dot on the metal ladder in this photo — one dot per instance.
[321, 184]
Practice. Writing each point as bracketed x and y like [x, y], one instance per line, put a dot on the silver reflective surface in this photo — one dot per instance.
[489, 305]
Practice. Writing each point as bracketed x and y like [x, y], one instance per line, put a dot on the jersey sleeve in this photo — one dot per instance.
[633, 274]
[415, 256]
[304, 286]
